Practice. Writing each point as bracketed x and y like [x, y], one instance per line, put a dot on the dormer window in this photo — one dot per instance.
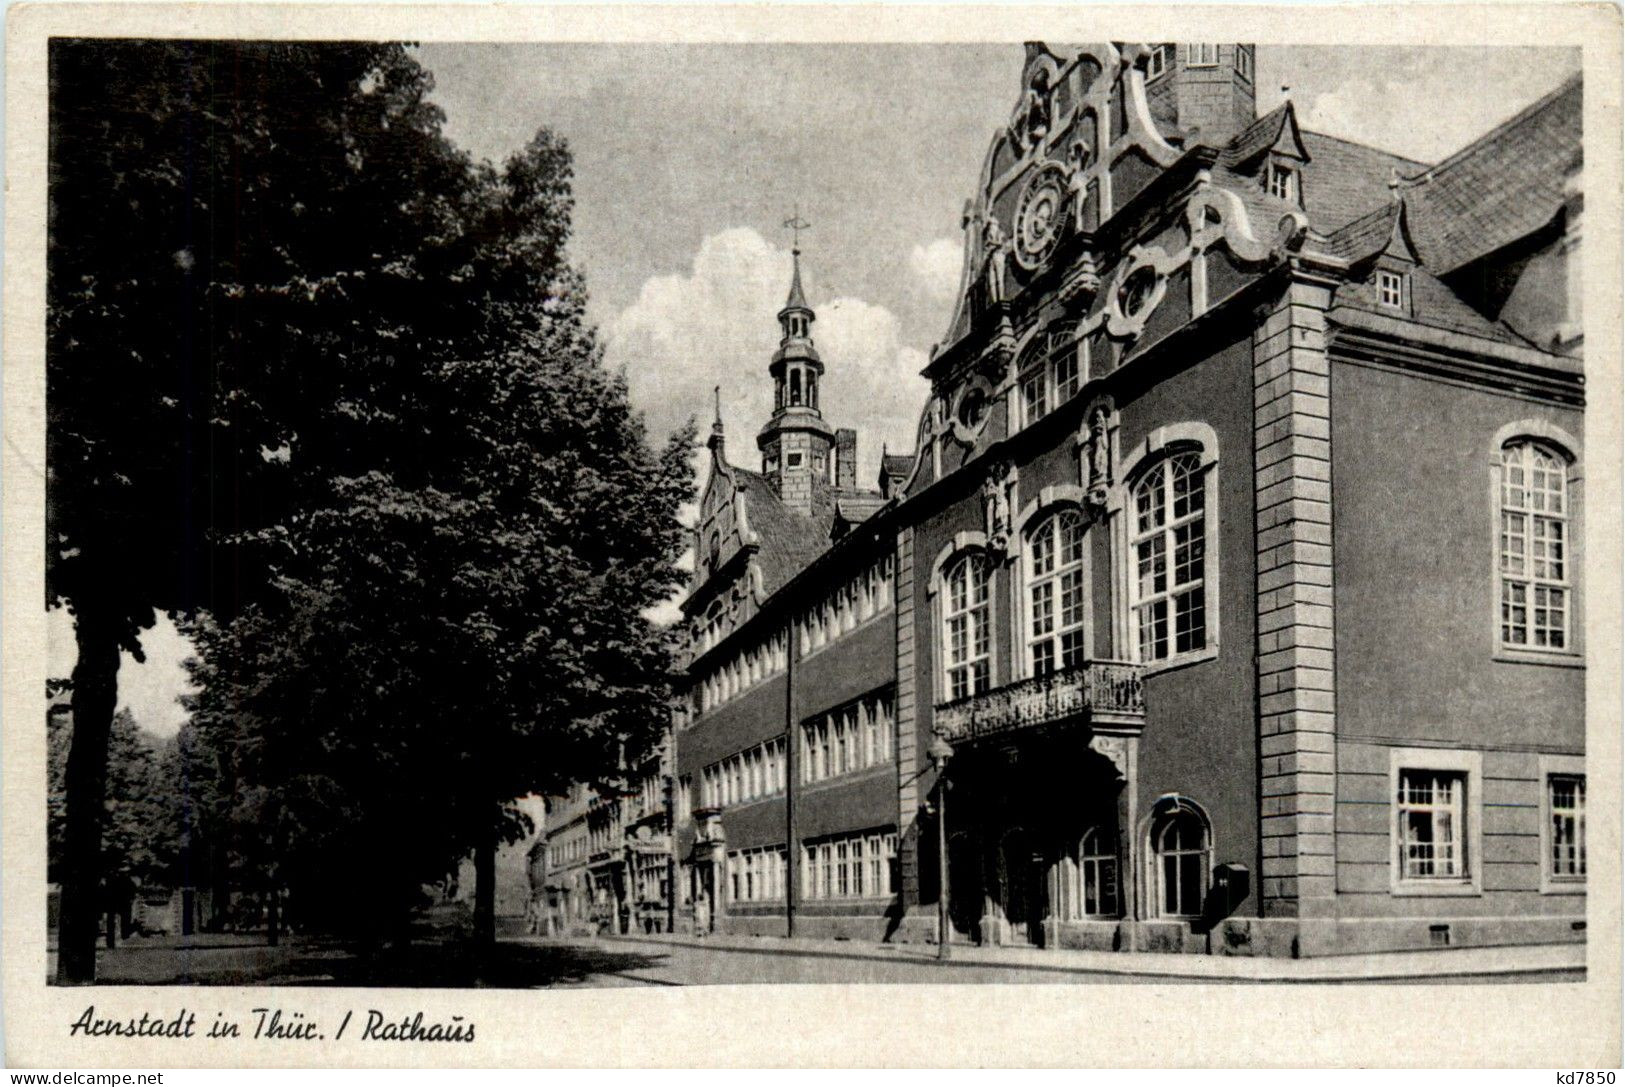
[1283, 182]
[1391, 289]
[1201, 55]
[1160, 62]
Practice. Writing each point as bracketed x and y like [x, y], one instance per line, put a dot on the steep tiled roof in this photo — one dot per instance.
[852, 509]
[1346, 180]
[1257, 137]
[897, 464]
[789, 541]
[1502, 187]
[1364, 236]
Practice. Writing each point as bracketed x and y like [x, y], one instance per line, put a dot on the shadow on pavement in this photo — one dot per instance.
[437, 964]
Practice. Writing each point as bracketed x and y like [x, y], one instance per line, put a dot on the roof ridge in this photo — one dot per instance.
[1529, 111]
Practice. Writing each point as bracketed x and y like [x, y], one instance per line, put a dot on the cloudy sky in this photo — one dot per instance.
[688, 158]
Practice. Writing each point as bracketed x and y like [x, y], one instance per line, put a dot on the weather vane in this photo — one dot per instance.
[796, 224]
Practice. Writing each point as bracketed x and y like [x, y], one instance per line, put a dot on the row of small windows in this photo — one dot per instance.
[857, 601]
[758, 875]
[742, 671]
[1163, 57]
[750, 775]
[850, 866]
[846, 740]
[651, 878]
[604, 834]
[1432, 832]
[570, 848]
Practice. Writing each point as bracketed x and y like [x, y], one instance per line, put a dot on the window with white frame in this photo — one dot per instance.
[1202, 54]
[1088, 877]
[1244, 61]
[1282, 181]
[1391, 289]
[1566, 827]
[1432, 824]
[1181, 854]
[1534, 567]
[1068, 368]
[1034, 395]
[1054, 597]
[1160, 61]
[1169, 545]
[850, 866]
[966, 625]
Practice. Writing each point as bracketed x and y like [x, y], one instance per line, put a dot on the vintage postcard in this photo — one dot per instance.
[812, 536]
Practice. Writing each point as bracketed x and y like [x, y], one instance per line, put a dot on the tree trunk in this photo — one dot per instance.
[95, 692]
[485, 890]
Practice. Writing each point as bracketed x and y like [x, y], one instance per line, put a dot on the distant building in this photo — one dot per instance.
[603, 863]
[1231, 582]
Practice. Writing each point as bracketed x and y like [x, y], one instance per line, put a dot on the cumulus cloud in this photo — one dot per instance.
[938, 266]
[716, 325]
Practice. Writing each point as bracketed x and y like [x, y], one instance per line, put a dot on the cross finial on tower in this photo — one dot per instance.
[796, 224]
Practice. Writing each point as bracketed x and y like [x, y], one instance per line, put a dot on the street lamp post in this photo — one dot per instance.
[940, 752]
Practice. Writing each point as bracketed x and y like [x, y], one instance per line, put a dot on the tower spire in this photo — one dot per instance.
[797, 299]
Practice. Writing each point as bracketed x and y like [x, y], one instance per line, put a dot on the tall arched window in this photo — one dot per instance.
[966, 626]
[1180, 852]
[1169, 545]
[1533, 547]
[1054, 599]
[1097, 868]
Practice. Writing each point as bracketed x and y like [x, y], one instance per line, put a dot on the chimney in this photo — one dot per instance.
[846, 458]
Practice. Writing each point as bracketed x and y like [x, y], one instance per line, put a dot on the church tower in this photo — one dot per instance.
[798, 447]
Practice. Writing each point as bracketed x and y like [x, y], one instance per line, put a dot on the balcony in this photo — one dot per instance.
[1096, 692]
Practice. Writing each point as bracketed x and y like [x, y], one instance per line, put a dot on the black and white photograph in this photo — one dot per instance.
[542, 515]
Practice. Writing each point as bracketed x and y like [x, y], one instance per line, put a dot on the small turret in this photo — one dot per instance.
[797, 445]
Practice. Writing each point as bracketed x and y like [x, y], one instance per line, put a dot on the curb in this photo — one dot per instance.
[1429, 972]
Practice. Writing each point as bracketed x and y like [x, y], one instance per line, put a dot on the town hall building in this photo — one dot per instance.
[1231, 598]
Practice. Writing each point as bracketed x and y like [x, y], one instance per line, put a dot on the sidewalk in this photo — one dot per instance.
[1464, 962]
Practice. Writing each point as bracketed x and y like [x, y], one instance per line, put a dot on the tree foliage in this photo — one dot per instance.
[313, 370]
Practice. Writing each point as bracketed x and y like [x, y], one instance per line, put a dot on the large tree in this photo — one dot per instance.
[262, 259]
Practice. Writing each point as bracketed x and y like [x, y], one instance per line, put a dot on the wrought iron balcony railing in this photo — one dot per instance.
[1097, 691]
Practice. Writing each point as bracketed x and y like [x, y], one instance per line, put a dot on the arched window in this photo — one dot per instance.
[1054, 598]
[1097, 869]
[1169, 545]
[795, 386]
[1533, 547]
[1180, 848]
[966, 626]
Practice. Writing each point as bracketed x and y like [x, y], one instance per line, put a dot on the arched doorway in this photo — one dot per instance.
[1020, 885]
